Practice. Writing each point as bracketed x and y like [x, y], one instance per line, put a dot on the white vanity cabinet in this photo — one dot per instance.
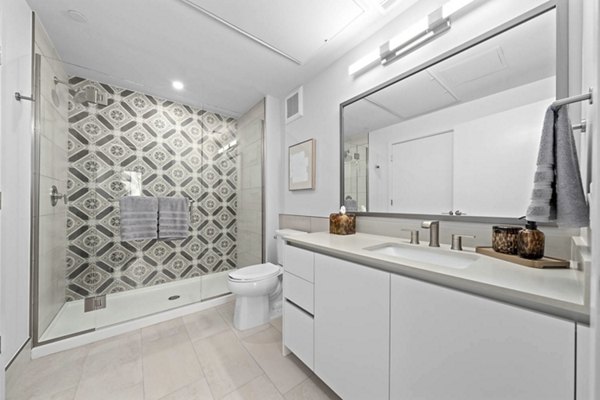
[352, 328]
[298, 296]
[371, 334]
[446, 344]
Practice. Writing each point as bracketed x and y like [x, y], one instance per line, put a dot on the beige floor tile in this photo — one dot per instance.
[226, 363]
[260, 388]
[166, 334]
[48, 375]
[198, 390]
[68, 394]
[284, 372]
[277, 324]
[226, 311]
[18, 366]
[169, 369]
[113, 369]
[311, 389]
[204, 324]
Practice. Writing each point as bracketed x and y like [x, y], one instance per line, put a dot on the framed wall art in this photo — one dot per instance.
[301, 159]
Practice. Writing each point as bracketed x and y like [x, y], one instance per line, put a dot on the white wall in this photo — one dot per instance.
[591, 78]
[15, 175]
[324, 93]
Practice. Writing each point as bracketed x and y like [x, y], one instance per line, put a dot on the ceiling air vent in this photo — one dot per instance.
[293, 106]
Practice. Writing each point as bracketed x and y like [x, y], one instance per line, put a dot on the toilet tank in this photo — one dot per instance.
[280, 234]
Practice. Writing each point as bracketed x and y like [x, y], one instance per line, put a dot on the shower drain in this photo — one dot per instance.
[175, 297]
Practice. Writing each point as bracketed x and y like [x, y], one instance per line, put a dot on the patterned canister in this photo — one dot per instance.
[505, 239]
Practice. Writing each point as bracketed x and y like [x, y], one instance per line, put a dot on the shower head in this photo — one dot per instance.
[54, 93]
[57, 81]
[89, 94]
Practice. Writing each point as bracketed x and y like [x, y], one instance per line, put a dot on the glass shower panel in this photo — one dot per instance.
[220, 201]
[53, 259]
[250, 209]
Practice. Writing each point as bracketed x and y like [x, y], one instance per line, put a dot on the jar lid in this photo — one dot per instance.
[507, 229]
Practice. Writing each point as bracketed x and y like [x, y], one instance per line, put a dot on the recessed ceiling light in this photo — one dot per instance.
[177, 85]
[77, 16]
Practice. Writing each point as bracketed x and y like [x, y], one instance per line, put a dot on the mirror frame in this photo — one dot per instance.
[562, 90]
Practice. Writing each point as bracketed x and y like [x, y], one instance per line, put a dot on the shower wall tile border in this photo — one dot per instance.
[177, 149]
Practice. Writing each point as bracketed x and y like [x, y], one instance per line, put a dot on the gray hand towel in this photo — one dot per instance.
[139, 217]
[173, 217]
[557, 190]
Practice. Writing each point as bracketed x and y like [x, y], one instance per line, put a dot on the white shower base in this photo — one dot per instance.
[134, 304]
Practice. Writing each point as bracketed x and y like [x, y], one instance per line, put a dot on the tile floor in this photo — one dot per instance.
[197, 357]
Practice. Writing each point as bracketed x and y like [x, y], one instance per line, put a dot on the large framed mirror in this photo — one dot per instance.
[458, 136]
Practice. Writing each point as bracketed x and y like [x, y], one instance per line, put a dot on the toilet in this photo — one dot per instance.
[257, 288]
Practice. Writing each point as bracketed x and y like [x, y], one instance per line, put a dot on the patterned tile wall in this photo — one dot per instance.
[179, 151]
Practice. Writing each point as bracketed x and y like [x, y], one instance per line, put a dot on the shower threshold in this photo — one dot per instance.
[134, 304]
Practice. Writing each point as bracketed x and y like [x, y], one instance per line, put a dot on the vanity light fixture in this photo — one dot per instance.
[423, 31]
[177, 85]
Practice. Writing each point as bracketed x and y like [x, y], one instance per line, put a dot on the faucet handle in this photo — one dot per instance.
[457, 241]
[414, 235]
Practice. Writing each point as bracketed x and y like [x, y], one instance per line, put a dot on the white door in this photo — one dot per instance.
[422, 172]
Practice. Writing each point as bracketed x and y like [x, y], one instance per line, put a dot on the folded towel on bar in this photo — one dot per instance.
[173, 217]
[139, 217]
[557, 189]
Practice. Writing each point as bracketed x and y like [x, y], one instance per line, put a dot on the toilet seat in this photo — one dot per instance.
[254, 273]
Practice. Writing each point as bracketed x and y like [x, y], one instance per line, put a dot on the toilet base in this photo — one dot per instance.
[250, 312]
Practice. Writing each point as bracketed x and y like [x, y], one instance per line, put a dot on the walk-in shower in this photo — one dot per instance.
[96, 143]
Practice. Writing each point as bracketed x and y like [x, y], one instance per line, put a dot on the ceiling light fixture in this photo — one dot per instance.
[415, 36]
[177, 85]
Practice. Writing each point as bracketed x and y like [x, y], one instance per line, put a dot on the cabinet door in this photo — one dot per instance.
[584, 360]
[352, 328]
[450, 345]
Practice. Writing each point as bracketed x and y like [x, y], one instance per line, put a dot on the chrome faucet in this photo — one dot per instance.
[434, 232]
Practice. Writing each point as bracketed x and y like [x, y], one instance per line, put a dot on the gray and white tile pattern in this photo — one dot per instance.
[177, 149]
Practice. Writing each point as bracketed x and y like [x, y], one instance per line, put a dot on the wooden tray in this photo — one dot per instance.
[544, 262]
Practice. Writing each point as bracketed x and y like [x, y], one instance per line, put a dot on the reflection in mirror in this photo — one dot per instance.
[462, 134]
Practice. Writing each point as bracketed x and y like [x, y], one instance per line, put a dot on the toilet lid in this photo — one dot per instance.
[255, 272]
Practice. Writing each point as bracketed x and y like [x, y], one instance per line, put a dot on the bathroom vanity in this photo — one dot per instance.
[374, 325]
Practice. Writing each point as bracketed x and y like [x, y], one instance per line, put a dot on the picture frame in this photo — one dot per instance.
[301, 165]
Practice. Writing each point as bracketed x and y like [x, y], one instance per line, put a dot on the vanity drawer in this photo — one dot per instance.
[299, 262]
[298, 333]
[298, 291]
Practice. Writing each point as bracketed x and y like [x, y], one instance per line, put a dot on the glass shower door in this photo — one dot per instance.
[62, 280]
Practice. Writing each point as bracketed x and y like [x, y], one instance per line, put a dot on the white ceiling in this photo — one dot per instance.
[145, 44]
[519, 56]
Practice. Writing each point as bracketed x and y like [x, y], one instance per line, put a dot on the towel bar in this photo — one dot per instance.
[574, 99]
[191, 204]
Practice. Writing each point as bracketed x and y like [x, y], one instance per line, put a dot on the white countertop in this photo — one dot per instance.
[556, 291]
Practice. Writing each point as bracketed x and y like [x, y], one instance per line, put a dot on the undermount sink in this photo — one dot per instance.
[429, 255]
